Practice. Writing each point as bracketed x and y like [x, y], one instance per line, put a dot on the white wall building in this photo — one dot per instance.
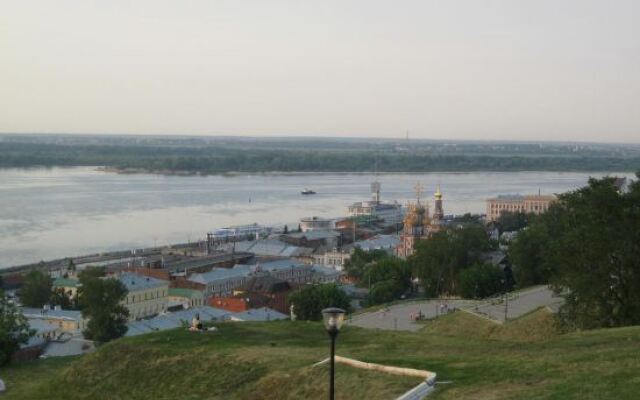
[147, 296]
[316, 224]
[390, 213]
[334, 259]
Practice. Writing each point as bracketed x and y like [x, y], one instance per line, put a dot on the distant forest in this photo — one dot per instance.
[204, 155]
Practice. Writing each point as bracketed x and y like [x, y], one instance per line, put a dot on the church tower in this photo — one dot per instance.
[438, 212]
[416, 223]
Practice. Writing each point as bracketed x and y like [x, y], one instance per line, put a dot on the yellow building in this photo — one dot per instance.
[147, 296]
[530, 204]
[63, 320]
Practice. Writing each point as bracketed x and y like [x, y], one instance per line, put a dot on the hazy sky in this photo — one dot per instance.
[552, 70]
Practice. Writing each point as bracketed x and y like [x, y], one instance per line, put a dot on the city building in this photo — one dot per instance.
[187, 298]
[238, 232]
[535, 204]
[63, 320]
[314, 239]
[275, 290]
[222, 282]
[238, 302]
[270, 248]
[316, 224]
[323, 274]
[387, 243]
[334, 259]
[389, 214]
[146, 296]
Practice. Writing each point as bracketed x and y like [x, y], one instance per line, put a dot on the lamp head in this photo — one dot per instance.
[333, 319]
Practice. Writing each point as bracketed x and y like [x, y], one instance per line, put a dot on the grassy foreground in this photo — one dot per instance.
[525, 359]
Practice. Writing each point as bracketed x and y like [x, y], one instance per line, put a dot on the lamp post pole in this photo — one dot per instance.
[333, 335]
[333, 319]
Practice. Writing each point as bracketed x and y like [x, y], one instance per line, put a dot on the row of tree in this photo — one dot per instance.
[99, 300]
[450, 263]
[260, 158]
[587, 246]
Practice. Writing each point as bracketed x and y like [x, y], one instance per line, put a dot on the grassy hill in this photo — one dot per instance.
[524, 359]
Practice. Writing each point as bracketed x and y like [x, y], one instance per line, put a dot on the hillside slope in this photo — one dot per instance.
[273, 361]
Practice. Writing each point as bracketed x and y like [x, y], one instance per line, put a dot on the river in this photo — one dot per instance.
[58, 212]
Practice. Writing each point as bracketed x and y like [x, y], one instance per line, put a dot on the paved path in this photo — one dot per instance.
[398, 317]
[518, 304]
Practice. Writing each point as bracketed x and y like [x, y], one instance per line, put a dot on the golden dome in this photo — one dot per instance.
[438, 194]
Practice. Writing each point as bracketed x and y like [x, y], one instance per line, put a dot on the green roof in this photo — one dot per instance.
[65, 282]
[179, 292]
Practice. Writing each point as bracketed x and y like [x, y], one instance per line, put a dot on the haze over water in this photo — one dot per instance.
[58, 212]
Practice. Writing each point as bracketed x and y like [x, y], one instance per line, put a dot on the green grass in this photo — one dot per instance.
[524, 359]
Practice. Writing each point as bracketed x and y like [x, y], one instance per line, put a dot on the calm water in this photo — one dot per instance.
[52, 213]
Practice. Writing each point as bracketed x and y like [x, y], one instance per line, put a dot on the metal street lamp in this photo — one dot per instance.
[333, 319]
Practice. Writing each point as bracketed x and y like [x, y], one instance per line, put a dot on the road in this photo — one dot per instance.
[398, 317]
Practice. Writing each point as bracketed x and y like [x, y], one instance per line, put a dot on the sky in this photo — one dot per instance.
[565, 70]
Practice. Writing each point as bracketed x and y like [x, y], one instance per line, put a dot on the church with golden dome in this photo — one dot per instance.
[418, 224]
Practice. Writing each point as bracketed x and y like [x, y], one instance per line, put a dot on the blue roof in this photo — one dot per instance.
[175, 320]
[42, 313]
[259, 314]
[378, 242]
[244, 270]
[138, 282]
[217, 274]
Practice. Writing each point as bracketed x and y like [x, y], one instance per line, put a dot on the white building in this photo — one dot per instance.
[334, 259]
[389, 213]
[147, 296]
[316, 224]
[239, 232]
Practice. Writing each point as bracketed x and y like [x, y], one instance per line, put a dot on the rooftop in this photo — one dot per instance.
[175, 320]
[66, 282]
[272, 247]
[314, 235]
[29, 312]
[259, 314]
[378, 242]
[180, 292]
[217, 274]
[519, 197]
[245, 270]
[135, 282]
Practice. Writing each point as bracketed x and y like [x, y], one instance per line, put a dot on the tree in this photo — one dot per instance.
[100, 303]
[481, 280]
[384, 292]
[60, 298]
[360, 260]
[528, 255]
[90, 273]
[587, 247]
[309, 301]
[439, 260]
[14, 329]
[285, 230]
[596, 249]
[36, 290]
[512, 221]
